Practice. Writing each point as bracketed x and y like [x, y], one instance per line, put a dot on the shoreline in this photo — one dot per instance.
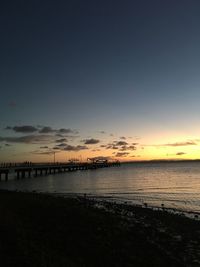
[114, 200]
[39, 229]
[195, 215]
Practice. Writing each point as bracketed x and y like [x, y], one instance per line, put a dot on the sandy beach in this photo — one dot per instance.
[43, 230]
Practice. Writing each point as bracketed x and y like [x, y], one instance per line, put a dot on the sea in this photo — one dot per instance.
[170, 185]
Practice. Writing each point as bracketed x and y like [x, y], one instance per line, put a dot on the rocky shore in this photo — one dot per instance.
[43, 230]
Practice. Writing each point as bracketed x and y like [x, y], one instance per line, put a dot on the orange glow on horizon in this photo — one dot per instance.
[148, 148]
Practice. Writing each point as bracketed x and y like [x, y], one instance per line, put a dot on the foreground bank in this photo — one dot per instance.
[41, 230]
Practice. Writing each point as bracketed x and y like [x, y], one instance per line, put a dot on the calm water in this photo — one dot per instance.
[176, 185]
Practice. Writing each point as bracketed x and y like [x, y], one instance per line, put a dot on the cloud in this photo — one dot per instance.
[180, 153]
[187, 143]
[177, 144]
[23, 129]
[56, 147]
[122, 154]
[102, 132]
[120, 143]
[41, 129]
[137, 137]
[132, 148]
[99, 158]
[62, 145]
[43, 152]
[124, 148]
[102, 145]
[123, 137]
[27, 139]
[91, 141]
[112, 147]
[67, 131]
[61, 140]
[70, 137]
[59, 135]
[75, 148]
[46, 129]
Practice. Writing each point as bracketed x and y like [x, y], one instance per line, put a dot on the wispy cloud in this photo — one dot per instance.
[62, 145]
[180, 153]
[120, 143]
[27, 139]
[61, 140]
[176, 144]
[111, 146]
[186, 143]
[75, 148]
[99, 158]
[61, 131]
[41, 129]
[46, 129]
[91, 141]
[122, 154]
[67, 131]
[116, 144]
[56, 148]
[23, 129]
[121, 146]
[125, 148]
[103, 146]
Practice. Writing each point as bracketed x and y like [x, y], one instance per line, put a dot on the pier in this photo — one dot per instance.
[33, 170]
[5, 173]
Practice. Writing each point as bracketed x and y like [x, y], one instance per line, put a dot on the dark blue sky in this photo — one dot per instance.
[101, 65]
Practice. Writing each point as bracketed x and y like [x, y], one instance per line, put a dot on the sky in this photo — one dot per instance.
[116, 79]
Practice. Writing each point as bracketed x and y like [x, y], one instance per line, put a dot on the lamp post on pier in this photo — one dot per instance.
[54, 157]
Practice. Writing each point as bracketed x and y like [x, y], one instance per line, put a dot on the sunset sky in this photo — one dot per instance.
[118, 79]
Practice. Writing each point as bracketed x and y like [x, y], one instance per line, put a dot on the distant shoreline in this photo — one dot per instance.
[161, 161]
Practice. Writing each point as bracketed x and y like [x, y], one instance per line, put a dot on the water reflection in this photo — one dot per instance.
[176, 185]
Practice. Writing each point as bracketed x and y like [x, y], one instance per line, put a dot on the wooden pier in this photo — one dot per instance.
[35, 170]
[5, 173]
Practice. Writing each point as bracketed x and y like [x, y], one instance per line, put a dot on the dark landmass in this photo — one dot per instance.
[162, 161]
[42, 230]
